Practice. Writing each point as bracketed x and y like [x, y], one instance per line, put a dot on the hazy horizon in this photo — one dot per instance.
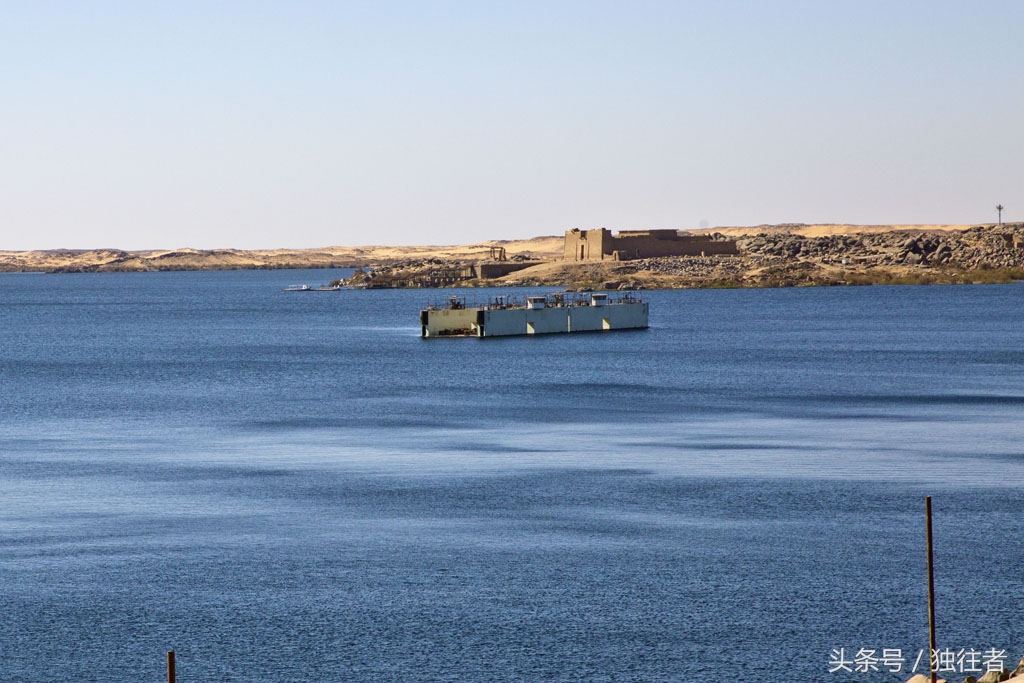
[137, 126]
[481, 240]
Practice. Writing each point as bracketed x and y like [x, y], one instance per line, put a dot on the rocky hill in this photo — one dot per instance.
[770, 256]
[977, 247]
[781, 256]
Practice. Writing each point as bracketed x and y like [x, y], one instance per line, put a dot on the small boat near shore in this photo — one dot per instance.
[310, 288]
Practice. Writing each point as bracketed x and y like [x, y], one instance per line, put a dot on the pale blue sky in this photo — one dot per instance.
[302, 124]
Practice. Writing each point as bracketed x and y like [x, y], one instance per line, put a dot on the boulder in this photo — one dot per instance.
[994, 676]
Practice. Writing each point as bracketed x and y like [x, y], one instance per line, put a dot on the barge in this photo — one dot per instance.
[554, 313]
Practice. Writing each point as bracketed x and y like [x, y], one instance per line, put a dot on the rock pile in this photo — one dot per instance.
[980, 247]
[428, 272]
[694, 266]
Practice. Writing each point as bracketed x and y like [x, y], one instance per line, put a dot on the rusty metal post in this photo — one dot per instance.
[170, 666]
[932, 665]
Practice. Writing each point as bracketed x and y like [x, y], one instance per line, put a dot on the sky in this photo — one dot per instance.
[140, 125]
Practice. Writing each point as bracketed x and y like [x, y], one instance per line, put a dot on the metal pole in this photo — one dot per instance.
[932, 664]
[170, 666]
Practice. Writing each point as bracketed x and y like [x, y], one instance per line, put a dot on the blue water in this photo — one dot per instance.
[296, 487]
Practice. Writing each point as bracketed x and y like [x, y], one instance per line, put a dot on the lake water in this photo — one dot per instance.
[296, 487]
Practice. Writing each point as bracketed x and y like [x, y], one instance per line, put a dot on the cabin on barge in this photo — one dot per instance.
[559, 312]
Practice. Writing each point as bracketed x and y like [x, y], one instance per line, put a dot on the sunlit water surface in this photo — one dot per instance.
[296, 487]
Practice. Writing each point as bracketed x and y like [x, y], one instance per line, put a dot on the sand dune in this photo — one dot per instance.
[826, 229]
[117, 260]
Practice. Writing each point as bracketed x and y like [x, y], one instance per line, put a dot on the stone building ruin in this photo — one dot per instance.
[602, 245]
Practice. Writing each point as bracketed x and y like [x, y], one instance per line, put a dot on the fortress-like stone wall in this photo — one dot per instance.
[601, 245]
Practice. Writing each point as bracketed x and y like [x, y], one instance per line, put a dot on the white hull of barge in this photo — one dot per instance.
[485, 321]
